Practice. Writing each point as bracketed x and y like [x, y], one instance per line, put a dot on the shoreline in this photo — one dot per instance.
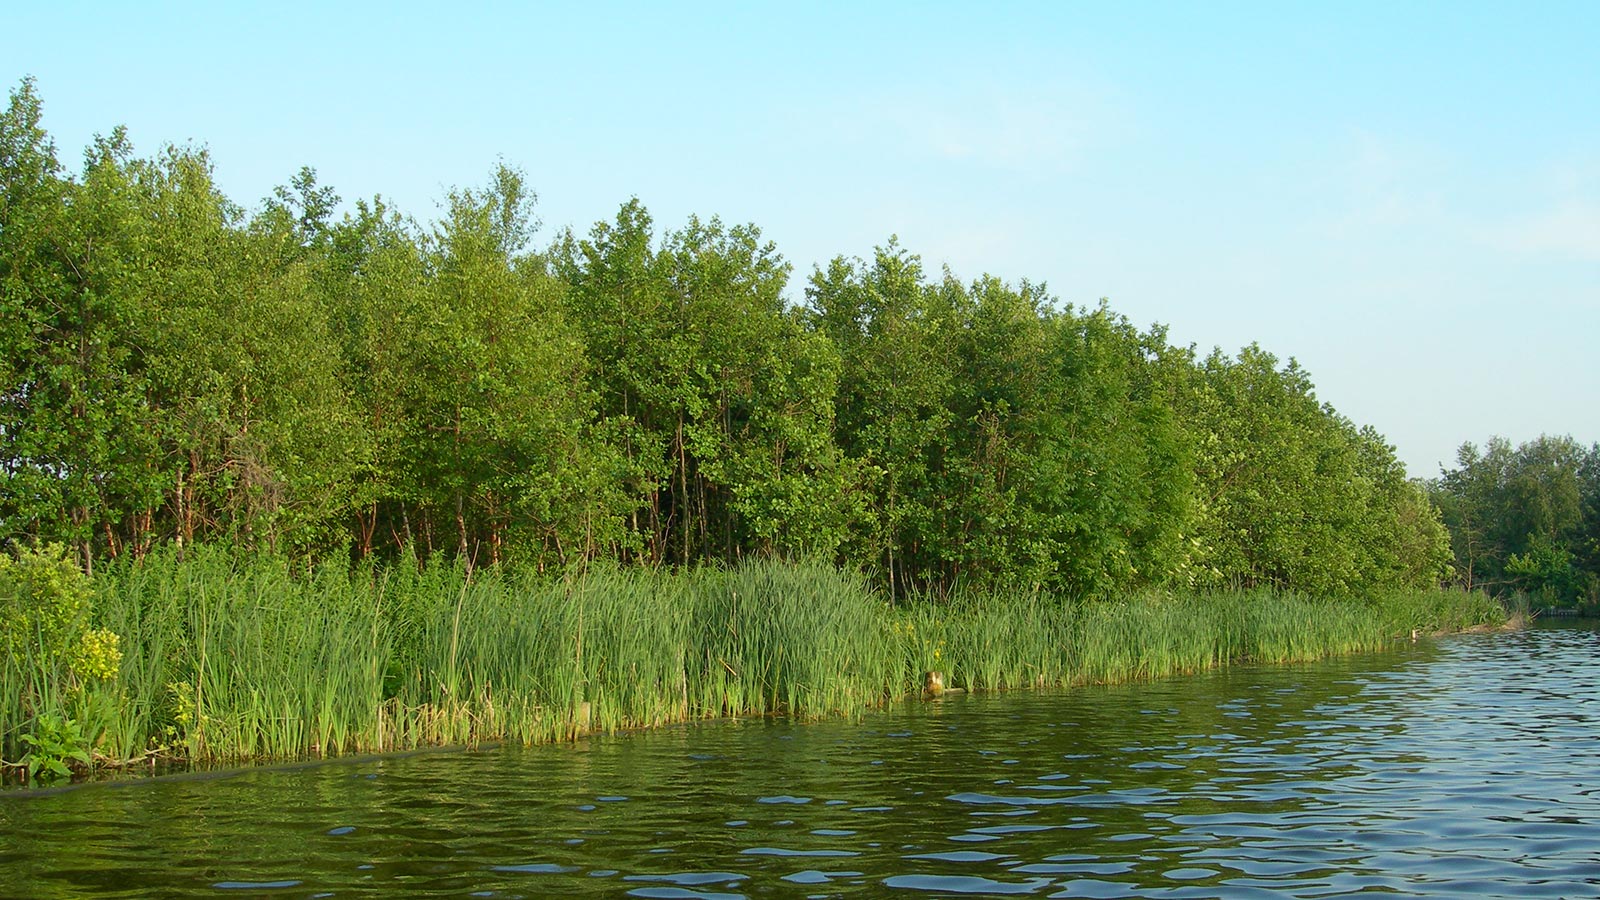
[501, 660]
[220, 770]
[121, 777]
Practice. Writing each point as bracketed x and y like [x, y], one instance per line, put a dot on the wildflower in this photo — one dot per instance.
[98, 654]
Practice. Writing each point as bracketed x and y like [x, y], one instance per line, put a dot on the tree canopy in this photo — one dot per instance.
[1525, 518]
[177, 368]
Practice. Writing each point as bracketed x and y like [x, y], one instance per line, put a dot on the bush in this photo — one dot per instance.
[53, 659]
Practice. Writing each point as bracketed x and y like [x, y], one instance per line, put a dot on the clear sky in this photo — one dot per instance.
[1403, 196]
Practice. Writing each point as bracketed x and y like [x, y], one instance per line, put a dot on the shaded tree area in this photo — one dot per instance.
[1525, 518]
[175, 368]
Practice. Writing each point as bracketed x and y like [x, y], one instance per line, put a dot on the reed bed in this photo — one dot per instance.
[226, 657]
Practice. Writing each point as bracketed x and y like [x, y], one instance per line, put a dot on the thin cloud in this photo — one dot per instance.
[1569, 231]
[1049, 130]
[1006, 132]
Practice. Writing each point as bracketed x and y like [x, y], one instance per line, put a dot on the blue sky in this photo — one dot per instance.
[1403, 196]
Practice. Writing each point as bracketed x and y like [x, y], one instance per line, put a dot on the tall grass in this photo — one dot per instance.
[227, 657]
[239, 657]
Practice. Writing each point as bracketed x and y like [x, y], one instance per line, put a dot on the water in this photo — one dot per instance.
[1470, 767]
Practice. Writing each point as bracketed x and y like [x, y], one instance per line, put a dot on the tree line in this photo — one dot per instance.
[1525, 518]
[175, 368]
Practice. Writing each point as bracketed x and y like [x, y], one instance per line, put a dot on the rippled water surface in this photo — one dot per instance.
[1468, 767]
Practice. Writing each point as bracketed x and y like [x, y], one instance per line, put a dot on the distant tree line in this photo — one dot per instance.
[1525, 518]
[175, 368]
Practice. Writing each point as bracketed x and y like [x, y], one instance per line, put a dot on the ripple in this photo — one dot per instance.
[677, 893]
[535, 868]
[1081, 868]
[977, 798]
[785, 851]
[813, 876]
[1011, 829]
[960, 856]
[1189, 874]
[965, 884]
[691, 879]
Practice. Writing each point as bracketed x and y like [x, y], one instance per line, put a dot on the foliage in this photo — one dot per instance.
[470, 489]
[53, 742]
[1545, 570]
[719, 400]
[57, 668]
[1525, 518]
[178, 370]
[44, 602]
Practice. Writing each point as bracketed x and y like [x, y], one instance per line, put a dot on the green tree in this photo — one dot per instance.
[373, 282]
[1292, 494]
[500, 411]
[894, 333]
[71, 420]
[718, 399]
[1522, 518]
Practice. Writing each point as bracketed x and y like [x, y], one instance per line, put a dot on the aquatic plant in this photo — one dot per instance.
[223, 656]
[53, 742]
[56, 668]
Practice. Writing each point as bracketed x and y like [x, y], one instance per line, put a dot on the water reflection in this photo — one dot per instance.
[1457, 769]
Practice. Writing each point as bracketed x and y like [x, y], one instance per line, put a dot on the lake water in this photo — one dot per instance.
[1465, 767]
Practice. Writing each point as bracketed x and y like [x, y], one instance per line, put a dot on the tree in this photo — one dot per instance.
[70, 415]
[1522, 518]
[500, 414]
[894, 333]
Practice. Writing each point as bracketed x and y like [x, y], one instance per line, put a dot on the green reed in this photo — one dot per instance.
[236, 657]
[229, 656]
[990, 643]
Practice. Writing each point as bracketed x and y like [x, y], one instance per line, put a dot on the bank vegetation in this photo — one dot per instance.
[469, 483]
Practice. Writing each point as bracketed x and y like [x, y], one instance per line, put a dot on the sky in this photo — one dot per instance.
[1405, 197]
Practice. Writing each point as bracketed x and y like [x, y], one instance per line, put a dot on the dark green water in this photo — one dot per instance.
[1469, 767]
